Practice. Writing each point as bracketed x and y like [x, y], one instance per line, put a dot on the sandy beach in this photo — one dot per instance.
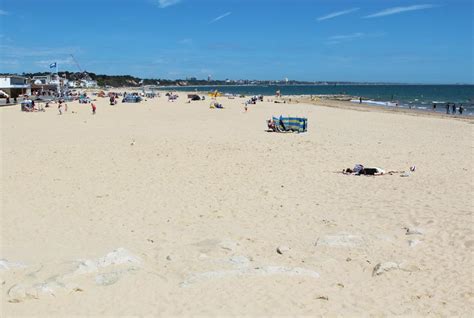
[175, 209]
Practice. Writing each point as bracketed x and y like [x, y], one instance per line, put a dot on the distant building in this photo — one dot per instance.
[15, 86]
[41, 80]
[88, 83]
[84, 83]
[46, 84]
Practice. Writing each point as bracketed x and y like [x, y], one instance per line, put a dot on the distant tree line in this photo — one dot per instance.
[132, 81]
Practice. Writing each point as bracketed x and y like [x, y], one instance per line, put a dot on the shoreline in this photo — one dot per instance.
[331, 101]
[385, 109]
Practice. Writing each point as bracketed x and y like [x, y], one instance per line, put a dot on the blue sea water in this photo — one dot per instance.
[414, 96]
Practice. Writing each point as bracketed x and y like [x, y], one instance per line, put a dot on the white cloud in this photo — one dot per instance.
[337, 14]
[167, 3]
[397, 10]
[186, 41]
[220, 17]
[17, 51]
[337, 39]
[347, 36]
[3, 12]
[9, 62]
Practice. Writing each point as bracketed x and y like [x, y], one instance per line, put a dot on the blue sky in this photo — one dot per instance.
[368, 40]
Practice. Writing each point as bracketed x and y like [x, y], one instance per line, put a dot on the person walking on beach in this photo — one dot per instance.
[461, 109]
[447, 108]
[434, 107]
[60, 108]
[454, 109]
[93, 108]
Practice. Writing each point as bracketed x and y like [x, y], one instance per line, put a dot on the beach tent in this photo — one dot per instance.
[296, 124]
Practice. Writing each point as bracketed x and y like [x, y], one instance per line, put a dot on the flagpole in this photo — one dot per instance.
[59, 83]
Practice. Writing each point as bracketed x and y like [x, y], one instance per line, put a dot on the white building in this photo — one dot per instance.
[84, 83]
[88, 83]
[42, 80]
[15, 86]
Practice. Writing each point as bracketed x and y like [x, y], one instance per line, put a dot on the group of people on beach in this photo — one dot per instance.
[451, 108]
[62, 106]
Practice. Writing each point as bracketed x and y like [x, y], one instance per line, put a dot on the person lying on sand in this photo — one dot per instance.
[361, 170]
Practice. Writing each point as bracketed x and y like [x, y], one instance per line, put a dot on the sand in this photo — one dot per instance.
[167, 209]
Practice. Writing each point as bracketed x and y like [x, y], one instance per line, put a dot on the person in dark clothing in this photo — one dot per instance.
[460, 109]
[447, 108]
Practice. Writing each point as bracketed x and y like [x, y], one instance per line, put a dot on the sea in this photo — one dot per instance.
[406, 96]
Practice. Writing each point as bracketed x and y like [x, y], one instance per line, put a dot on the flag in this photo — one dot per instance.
[53, 65]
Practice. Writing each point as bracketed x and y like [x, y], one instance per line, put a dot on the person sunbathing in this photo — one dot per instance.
[361, 170]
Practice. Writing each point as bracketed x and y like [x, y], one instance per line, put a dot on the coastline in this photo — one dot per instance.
[378, 108]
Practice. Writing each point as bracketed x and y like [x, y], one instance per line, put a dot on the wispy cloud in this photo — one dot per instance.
[337, 39]
[9, 62]
[220, 17]
[3, 12]
[337, 14]
[17, 51]
[186, 41]
[347, 36]
[397, 10]
[167, 3]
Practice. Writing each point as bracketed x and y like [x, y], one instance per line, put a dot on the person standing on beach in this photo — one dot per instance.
[447, 108]
[434, 107]
[93, 108]
[360, 100]
[460, 109]
[454, 109]
[60, 108]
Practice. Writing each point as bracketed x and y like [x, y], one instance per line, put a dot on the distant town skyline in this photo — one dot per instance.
[393, 41]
